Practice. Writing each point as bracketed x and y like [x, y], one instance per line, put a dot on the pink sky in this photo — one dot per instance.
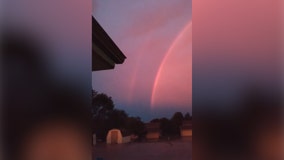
[236, 44]
[156, 38]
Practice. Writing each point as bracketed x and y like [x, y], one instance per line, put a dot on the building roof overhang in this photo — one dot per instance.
[105, 53]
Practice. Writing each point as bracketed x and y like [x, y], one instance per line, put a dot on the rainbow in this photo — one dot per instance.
[168, 53]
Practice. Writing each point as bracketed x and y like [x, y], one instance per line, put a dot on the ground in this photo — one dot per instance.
[165, 150]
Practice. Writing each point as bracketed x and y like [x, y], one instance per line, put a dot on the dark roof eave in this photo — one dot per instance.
[100, 37]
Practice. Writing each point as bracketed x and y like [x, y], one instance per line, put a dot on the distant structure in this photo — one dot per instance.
[105, 53]
[186, 129]
[153, 131]
[116, 136]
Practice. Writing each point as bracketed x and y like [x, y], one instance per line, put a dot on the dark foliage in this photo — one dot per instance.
[187, 117]
[171, 127]
[106, 117]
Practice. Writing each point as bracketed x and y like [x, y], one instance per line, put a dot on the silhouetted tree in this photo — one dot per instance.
[177, 118]
[117, 119]
[176, 122]
[135, 126]
[102, 108]
[187, 116]
[102, 105]
[106, 117]
[167, 127]
[156, 120]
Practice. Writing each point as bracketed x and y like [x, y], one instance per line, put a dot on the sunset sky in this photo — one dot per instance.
[235, 44]
[155, 80]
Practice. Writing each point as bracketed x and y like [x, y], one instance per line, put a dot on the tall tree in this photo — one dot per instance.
[177, 118]
[135, 126]
[117, 119]
[106, 117]
[102, 108]
[187, 116]
[176, 122]
[102, 105]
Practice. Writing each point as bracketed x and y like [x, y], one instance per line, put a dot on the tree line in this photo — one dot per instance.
[105, 117]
